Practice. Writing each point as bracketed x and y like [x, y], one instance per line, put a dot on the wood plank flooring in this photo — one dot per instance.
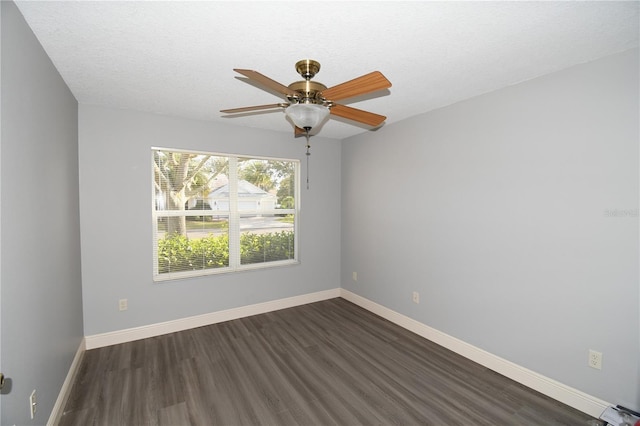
[326, 363]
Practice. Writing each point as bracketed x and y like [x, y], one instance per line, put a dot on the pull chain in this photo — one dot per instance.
[308, 154]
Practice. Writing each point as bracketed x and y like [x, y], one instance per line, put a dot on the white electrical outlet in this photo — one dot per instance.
[33, 403]
[416, 297]
[123, 304]
[354, 275]
[595, 359]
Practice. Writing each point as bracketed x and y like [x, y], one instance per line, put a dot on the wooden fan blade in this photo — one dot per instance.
[358, 115]
[297, 131]
[267, 82]
[367, 83]
[253, 108]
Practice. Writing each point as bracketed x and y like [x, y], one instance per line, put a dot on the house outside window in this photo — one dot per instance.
[215, 213]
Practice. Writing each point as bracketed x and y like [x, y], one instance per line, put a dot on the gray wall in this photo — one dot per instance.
[41, 288]
[495, 210]
[507, 240]
[115, 210]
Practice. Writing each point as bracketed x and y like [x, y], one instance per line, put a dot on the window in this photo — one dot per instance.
[216, 213]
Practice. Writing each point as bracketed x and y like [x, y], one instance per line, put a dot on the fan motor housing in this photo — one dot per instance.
[310, 91]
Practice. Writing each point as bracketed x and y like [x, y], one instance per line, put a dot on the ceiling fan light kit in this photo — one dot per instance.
[307, 116]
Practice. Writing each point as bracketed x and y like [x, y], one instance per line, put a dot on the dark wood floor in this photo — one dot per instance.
[327, 363]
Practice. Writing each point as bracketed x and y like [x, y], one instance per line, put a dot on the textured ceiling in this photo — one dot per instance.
[177, 57]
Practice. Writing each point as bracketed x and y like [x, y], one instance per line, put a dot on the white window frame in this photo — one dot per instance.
[233, 215]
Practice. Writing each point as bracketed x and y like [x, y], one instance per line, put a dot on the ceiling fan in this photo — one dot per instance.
[310, 102]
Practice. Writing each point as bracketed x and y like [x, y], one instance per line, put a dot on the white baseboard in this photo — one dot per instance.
[572, 397]
[552, 388]
[137, 333]
[65, 391]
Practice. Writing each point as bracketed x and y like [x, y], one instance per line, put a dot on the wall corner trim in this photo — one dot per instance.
[153, 330]
[560, 392]
[67, 385]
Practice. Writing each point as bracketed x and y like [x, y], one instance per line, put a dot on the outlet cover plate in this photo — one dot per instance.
[595, 359]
